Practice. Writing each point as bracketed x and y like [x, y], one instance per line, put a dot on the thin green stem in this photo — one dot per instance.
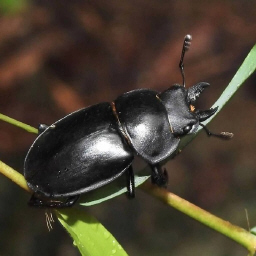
[244, 72]
[19, 124]
[15, 176]
[235, 233]
[8, 171]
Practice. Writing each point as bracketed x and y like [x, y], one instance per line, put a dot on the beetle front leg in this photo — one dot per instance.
[130, 182]
[159, 176]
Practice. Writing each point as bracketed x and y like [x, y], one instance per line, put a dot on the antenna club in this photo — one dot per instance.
[187, 42]
[185, 47]
[188, 37]
[227, 135]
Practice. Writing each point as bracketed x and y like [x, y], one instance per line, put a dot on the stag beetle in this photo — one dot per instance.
[93, 146]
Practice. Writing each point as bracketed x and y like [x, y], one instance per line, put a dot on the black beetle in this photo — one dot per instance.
[93, 146]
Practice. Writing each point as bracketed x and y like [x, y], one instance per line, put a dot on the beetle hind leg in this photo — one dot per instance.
[38, 202]
[130, 183]
[159, 176]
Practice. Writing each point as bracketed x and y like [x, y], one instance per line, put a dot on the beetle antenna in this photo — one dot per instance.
[222, 135]
[185, 47]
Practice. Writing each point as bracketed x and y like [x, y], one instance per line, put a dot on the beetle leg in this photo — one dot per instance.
[34, 201]
[130, 182]
[42, 128]
[159, 176]
[70, 201]
[37, 202]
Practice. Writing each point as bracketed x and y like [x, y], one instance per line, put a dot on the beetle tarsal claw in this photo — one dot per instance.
[159, 176]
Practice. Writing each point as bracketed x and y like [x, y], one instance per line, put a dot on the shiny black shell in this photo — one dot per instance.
[177, 104]
[79, 153]
[93, 146]
[145, 121]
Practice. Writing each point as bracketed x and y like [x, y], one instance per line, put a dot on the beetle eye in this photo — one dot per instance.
[187, 129]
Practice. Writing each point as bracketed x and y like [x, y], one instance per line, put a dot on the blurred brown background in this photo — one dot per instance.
[57, 56]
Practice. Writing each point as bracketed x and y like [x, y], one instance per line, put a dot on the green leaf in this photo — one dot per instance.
[113, 189]
[13, 6]
[253, 230]
[90, 237]
[244, 72]
[117, 187]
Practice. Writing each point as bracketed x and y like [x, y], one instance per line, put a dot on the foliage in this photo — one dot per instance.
[93, 239]
[12, 6]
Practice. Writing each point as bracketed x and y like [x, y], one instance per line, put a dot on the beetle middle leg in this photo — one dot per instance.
[159, 176]
[38, 202]
[130, 182]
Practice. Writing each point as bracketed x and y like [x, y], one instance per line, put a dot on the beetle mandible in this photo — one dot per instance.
[93, 146]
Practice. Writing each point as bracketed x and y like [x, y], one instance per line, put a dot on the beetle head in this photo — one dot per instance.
[183, 117]
[178, 101]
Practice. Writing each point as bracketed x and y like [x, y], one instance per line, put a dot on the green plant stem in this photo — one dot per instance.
[15, 176]
[235, 233]
[19, 124]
